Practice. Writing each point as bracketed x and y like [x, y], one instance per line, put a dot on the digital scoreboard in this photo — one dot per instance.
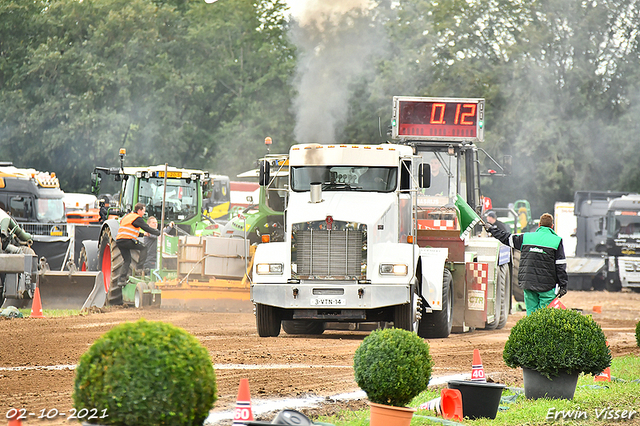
[438, 119]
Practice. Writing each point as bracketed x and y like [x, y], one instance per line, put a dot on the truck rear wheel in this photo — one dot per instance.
[518, 292]
[438, 323]
[506, 296]
[303, 327]
[267, 321]
[497, 306]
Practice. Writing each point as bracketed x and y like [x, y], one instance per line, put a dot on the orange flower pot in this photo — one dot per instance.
[388, 415]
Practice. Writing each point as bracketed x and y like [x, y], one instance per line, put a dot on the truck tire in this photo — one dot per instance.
[438, 324]
[110, 263]
[106, 248]
[2, 291]
[506, 296]
[497, 306]
[613, 284]
[267, 321]
[518, 292]
[303, 327]
[139, 298]
[83, 260]
[406, 316]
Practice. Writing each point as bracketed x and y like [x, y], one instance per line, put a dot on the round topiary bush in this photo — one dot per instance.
[638, 333]
[392, 366]
[553, 340]
[146, 373]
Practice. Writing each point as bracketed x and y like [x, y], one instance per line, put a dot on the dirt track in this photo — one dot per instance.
[287, 366]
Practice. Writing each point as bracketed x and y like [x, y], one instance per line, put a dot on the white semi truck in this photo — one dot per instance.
[372, 232]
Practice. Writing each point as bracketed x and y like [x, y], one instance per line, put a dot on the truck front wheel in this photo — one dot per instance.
[406, 316]
[267, 320]
[438, 323]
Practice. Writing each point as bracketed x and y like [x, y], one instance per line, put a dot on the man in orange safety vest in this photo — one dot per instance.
[127, 239]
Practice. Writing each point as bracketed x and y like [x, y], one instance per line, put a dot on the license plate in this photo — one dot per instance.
[328, 301]
[170, 174]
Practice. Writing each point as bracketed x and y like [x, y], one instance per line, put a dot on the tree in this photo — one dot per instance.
[179, 85]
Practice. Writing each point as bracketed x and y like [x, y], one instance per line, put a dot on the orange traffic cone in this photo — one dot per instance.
[243, 411]
[36, 306]
[477, 370]
[605, 376]
[448, 404]
[14, 420]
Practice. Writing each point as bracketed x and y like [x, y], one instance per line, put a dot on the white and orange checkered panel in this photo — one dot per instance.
[437, 224]
[478, 275]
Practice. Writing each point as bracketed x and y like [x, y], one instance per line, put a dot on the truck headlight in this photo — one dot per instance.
[393, 269]
[269, 268]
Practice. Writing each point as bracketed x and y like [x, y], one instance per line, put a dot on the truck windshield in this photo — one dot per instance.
[345, 178]
[50, 210]
[181, 201]
[623, 224]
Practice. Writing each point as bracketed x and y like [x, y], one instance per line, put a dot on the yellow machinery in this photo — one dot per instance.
[211, 274]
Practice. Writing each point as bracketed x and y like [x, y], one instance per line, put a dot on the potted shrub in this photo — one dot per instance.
[392, 366]
[553, 346]
[145, 373]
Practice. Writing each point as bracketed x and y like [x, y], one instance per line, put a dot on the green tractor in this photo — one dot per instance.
[266, 216]
[171, 195]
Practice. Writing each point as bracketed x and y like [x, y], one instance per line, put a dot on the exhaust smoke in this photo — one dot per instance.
[335, 39]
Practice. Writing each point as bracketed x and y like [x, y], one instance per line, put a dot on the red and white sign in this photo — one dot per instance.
[486, 204]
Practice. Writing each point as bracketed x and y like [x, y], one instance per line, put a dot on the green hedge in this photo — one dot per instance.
[553, 340]
[392, 366]
[638, 333]
[146, 373]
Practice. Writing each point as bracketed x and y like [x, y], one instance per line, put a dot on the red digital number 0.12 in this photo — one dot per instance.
[463, 112]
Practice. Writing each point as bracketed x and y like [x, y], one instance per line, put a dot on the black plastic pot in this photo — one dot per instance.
[479, 400]
[538, 386]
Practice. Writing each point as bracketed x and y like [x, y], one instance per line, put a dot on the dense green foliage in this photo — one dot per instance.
[201, 85]
[553, 340]
[392, 366]
[146, 373]
[638, 333]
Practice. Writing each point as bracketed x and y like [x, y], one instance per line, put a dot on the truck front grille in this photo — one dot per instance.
[329, 254]
[45, 229]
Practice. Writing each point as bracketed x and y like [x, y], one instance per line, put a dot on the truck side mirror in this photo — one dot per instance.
[507, 164]
[424, 175]
[265, 169]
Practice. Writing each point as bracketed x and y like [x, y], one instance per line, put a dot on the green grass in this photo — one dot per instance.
[620, 394]
[52, 313]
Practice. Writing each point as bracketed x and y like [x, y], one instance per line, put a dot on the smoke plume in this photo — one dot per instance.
[335, 38]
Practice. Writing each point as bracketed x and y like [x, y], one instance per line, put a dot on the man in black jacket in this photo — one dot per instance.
[542, 262]
[492, 218]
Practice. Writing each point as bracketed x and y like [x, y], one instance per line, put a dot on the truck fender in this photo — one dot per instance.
[431, 263]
